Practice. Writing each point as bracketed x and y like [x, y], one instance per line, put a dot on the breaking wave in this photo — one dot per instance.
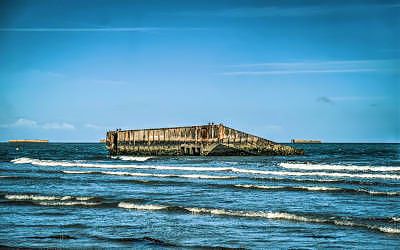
[338, 167]
[37, 162]
[192, 176]
[289, 187]
[53, 200]
[324, 174]
[266, 215]
[51, 163]
[131, 158]
[140, 206]
[319, 188]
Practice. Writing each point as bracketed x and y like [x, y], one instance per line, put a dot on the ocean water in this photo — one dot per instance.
[74, 195]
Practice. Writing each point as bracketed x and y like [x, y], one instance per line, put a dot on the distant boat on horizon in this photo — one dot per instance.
[28, 141]
[305, 141]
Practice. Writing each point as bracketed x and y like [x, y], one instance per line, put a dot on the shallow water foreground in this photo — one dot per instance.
[74, 195]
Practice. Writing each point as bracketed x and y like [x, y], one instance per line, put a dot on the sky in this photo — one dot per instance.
[329, 70]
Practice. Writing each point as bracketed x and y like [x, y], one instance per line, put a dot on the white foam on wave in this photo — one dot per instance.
[43, 197]
[324, 174]
[320, 188]
[390, 230]
[317, 188]
[51, 163]
[231, 169]
[130, 205]
[338, 167]
[68, 203]
[78, 172]
[380, 192]
[131, 158]
[260, 214]
[192, 176]
[258, 186]
[310, 188]
[264, 214]
[37, 162]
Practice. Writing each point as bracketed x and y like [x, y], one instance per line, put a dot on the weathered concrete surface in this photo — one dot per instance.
[209, 139]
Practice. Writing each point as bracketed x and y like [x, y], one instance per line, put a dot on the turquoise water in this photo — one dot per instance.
[74, 195]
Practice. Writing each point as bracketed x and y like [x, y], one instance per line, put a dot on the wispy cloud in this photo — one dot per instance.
[313, 67]
[57, 125]
[49, 75]
[93, 126]
[27, 123]
[111, 29]
[293, 10]
[22, 122]
[127, 29]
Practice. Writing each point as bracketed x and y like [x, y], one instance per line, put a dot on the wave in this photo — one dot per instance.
[319, 188]
[53, 200]
[25, 160]
[192, 176]
[59, 237]
[140, 206]
[250, 186]
[288, 187]
[266, 215]
[330, 181]
[131, 158]
[69, 203]
[44, 197]
[324, 174]
[9, 177]
[132, 239]
[51, 163]
[338, 167]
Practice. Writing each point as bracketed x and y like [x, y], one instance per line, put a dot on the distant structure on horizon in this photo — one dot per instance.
[211, 139]
[102, 141]
[28, 141]
[305, 141]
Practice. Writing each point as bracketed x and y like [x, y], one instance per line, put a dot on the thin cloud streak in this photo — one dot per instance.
[314, 67]
[320, 63]
[27, 123]
[293, 11]
[120, 29]
[287, 72]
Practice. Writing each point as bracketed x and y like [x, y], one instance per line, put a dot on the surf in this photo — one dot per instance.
[134, 174]
[38, 162]
[264, 215]
[131, 158]
[47, 200]
[304, 166]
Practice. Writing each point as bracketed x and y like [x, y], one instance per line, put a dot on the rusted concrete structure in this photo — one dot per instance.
[211, 139]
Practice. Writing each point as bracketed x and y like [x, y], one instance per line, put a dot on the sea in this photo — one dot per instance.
[69, 195]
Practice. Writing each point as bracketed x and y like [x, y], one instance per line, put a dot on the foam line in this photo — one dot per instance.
[338, 167]
[265, 215]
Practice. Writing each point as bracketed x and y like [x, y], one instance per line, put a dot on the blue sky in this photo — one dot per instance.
[329, 70]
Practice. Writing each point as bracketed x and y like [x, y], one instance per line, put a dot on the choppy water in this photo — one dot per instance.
[75, 195]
